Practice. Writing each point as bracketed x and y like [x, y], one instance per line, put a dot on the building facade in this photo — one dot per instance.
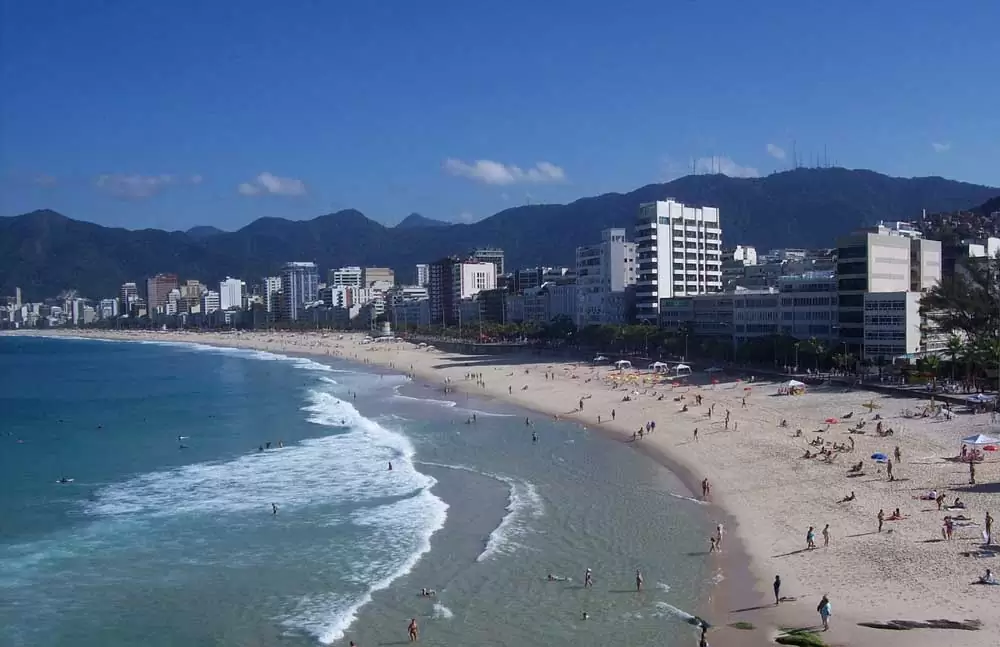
[231, 294]
[423, 274]
[157, 289]
[299, 287]
[490, 255]
[678, 253]
[882, 259]
[383, 276]
[603, 272]
[353, 277]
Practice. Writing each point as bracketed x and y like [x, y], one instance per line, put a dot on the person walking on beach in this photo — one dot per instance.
[989, 528]
[825, 611]
[706, 488]
[972, 472]
[777, 590]
[413, 630]
[638, 581]
[810, 538]
[695, 434]
[588, 579]
[826, 536]
[888, 469]
[612, 415]
[881, 519]
[719, 531]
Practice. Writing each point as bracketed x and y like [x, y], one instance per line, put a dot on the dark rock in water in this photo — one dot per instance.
[903, 625]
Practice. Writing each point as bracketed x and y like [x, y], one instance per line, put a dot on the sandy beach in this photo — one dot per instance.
[760, 478]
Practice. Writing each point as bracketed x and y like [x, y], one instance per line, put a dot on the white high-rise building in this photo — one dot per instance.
[231, 292]
[471, 278]
[129, 295]
[352, 277]
[678, 250]
[272, 288]
[423, 274]
[602, 270]
[210, 302]
[299, 287]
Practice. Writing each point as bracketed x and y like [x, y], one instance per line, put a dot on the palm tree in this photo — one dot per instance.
[954, 348]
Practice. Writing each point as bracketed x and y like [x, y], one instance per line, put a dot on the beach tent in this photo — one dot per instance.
[682, 369]
[623, 364]
[658, 367]
[794, 384]
[980, 439]
[981, 398]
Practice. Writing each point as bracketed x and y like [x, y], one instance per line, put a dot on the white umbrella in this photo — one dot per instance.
[794, 384]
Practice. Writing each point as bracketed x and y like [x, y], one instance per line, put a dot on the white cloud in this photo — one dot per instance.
[132, 185]
[776, 151]
[490, 172]
[725, 166]
[466, 217]
[196, 179]
[941, 147]
[272, 184]
[43, 179]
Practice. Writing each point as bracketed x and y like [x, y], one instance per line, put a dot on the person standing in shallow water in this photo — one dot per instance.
[638, 581]
[413, 630]
[777, 590]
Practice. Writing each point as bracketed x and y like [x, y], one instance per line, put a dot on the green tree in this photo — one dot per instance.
[954, 348]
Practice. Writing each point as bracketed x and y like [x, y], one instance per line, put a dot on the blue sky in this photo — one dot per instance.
[171, 114]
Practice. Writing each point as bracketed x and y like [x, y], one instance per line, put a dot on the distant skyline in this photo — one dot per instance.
[180, 114]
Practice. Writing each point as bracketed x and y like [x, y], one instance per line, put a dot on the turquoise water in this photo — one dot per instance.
[166, 534]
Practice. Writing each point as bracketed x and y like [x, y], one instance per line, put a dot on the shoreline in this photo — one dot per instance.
[763, 490]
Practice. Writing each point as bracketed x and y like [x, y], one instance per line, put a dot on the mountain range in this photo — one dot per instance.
[44, 252]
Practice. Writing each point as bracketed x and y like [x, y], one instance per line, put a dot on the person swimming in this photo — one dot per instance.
[556, 578]
[274, 508]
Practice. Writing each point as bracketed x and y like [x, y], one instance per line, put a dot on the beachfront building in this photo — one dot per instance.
[803, 306]
[452, 280]
[378, 277]
[603, 273]
[211, 301]
[108, 308]
[231, 293]
[423, 274]
[678, 253]
[157, 289]
[129, 296]
[272, 293]
[490, 255]
[886, 259]
[351, 276]
[299, 288]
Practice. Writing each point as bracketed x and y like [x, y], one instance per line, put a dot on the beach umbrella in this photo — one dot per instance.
[879, 456]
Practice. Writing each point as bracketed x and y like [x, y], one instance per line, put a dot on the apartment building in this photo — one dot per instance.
[490, 255]
[603, 272]
[299, 288]
[352, 276]
[803, 306]
[678, 253]
[231, 293]
[384, 277]
[423, 274]
[158, 288]
[885, 259]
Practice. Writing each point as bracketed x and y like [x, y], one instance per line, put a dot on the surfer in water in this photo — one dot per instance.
[274, 508]
[390, 466]
[638, 581]
[534, 437]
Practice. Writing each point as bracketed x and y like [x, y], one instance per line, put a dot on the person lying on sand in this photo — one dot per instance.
[848, 499]
[928, 496]
[988, 578]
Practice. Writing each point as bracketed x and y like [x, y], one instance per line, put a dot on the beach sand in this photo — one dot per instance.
[761, 481]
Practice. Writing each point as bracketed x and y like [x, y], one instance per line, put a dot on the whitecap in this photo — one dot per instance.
[523, 504]
[439, 403]
[442, 612]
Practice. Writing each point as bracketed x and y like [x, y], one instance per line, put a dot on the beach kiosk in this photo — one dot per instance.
[623, 365]
[682, 370]
[659, 367]
[792, 387]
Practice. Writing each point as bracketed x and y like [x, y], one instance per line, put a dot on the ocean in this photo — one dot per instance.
[142, 504]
